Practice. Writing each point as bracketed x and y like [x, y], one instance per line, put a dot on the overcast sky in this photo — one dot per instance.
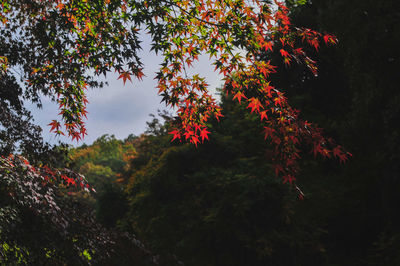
[118, 109]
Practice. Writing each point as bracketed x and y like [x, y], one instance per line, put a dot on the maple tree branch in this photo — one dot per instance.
[193, 16]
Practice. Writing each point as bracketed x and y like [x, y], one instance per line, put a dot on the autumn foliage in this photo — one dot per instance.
[73, 38]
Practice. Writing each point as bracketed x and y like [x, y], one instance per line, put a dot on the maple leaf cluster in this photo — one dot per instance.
[17, 164]
[38, 188]
[236, 35]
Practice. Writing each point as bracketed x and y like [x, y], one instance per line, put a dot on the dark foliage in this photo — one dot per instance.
[218, 204]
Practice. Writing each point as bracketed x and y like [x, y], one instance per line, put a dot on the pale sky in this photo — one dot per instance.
[118, 109]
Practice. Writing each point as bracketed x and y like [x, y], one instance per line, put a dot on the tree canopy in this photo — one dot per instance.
[57, 48]
[219, 203]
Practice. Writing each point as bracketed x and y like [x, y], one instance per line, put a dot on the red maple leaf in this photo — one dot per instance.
[70, 181]
[264, 115]
[176, 134]
[268, 46]
[268, 132]
[279, 100]
[254, 105]
[195, 140]
[218, 115]
[125, 75]
[75, 135]
[284, 53]
[204, 134]
[55, 126]
[188, 133]
[239, 96]
[338, 153]
[330, 39]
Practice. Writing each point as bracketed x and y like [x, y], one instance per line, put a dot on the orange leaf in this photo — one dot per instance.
[264, 115]
[176, 134]
[125, 76]
[204, 134]
[239, 96]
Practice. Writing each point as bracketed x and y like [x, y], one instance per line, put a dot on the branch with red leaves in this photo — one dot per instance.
[236, 34]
